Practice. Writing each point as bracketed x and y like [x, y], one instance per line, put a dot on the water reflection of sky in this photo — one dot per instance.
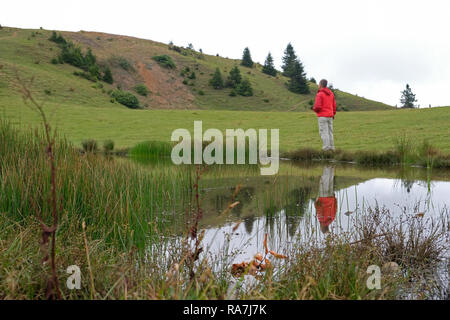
[395, 194]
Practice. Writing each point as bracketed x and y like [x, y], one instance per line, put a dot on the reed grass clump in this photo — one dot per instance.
[90, 145]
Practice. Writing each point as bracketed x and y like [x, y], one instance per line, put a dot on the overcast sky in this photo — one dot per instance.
[370, 48]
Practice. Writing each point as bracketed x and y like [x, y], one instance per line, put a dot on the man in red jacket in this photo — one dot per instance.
[325, 108]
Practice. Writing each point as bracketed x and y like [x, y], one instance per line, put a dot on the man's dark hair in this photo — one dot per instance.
[323, 83]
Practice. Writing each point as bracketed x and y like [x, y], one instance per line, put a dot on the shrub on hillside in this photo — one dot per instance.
[141, 89]
[125, 64]
[126, 98]
[165, 61]
[192, 75]
[245, 88]
[234, 78]
[107, 76]
[57, 38]
[85, 75]
[216, 81]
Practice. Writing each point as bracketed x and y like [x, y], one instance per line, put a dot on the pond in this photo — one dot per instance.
[310, 202]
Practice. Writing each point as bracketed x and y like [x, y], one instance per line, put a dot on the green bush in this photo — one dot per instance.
[141, 89]
[54, 61]
[108, 146]
[245, 88]
[184, 71]
[165, 61]
[234, 78]
[90, 145]
[85, 75]
[57, 38]
[216, 81]
[107, 76]
[192, 75]
[200, 92]
[126, 98]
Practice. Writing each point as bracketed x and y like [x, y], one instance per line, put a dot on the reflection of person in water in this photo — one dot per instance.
[326, 203]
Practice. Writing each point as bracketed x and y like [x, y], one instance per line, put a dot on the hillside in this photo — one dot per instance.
[131, 61]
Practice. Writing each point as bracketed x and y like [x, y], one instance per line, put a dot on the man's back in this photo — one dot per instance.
[325, 105]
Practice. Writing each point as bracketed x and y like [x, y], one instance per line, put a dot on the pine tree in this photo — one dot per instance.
[234, 78]
[90, 59]
[107, 76]
[268, 67]
[247, 58]
[289, 60]
[298, 82]
[245, 88]
[408, 98]
[217, 81]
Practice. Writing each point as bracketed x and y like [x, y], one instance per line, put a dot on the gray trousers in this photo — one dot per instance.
[326, 186]
[326, 133]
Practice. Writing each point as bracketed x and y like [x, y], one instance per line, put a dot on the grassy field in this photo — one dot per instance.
[129, 211]
[31, 52]
[354, 131]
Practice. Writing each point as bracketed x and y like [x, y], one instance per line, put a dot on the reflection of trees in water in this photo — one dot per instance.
[407, 176]
[408, 184]
[244, 196]
[248, 223]
[220, 201]
[294, 207]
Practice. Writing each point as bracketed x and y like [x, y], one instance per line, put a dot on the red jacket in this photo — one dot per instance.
[326, 208]
[325, 105]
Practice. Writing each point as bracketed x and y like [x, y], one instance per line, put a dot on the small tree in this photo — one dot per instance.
[245, 88]
[107, 76]
[234, 78]
[216, 81]
[408, 98]
[247, 58]
[269, 67]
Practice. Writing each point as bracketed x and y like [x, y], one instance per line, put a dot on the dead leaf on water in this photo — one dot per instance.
[420, 214]
[236, 226]
[277, 255]
[259, 257]
[265, 243]
[234, 204]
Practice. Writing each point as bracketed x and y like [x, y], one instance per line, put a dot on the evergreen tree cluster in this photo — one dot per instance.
[74, 56]
[238, 85]
[293, 69]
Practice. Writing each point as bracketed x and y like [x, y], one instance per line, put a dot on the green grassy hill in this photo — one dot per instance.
[131, 61]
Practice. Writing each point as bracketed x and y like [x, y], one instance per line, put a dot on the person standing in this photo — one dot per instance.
[325, 108]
